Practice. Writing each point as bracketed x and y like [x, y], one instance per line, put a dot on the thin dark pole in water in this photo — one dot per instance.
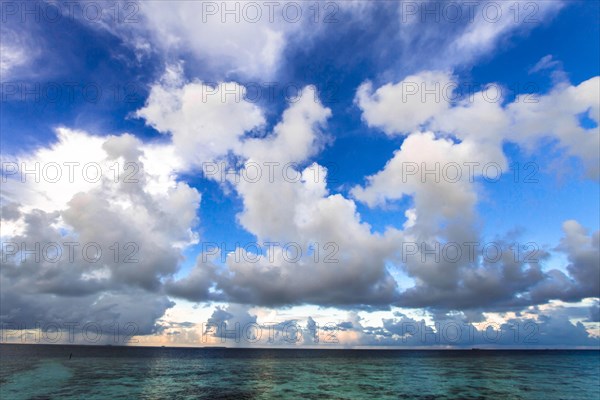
[70, 355]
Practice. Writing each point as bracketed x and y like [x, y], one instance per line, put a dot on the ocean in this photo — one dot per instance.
[90, 372]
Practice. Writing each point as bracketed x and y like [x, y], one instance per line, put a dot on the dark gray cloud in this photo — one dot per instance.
[136, 309]
[553, 329]
[508, 283]
[594, 312]
[196, 285]
[472, 286]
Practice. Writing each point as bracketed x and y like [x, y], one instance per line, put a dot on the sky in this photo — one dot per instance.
[301, 174]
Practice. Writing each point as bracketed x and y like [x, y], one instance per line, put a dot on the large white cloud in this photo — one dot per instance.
[291, 205]
[303, 211]
[135, 223]
[473, 130]
[435, 172]
[205, 122]
[431, 100]
[403, 107]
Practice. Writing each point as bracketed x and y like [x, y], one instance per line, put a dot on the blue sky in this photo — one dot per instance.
[150, 92]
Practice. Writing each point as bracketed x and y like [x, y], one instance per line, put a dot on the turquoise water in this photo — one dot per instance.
[46, 372]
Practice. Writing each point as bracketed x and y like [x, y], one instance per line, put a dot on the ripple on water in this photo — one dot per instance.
[40, 382]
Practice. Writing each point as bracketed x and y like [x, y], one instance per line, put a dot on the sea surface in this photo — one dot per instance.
[88, 372]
